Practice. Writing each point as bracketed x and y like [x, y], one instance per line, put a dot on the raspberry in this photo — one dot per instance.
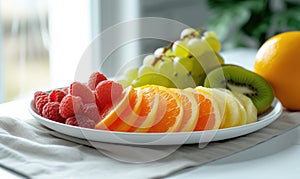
[51, 111]
[81, 90]
[91, 111]
[107, 92]
[56, 95]
[66, 90]
[94, 79]
[41, 100]
[37, 94]
[84, 121]
[70, 105]
[71, 121]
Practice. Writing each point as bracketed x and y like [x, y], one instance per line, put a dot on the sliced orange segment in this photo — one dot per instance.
[127, 117]
[129, 120]
[148, 110]
[190, 110]
[170, 112]
[209, 117]
[117, 110]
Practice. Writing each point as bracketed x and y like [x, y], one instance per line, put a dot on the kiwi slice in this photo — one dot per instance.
[239, 79]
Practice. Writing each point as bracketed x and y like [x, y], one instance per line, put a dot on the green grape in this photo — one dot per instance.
[169, 52]
[149, 59]
[208, 34]
[184, 62]
[198, 46]
[131, 74]
[153, 78]
[209, 61]
[183, 80]
[166, 58]
[214, 43]
[197, 79]
[189, 33]
[180, 48]
[145, 70]
[197, 68]
[198, 72]
[124, 83]
[220, 58]
[166, 68]
[183, 72]
[159, 51]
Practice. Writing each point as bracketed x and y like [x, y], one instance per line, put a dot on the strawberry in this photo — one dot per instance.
[81, 90]
[41, 100]
[56, 95]
[51, 111]
[94, 79]
[70, 105]
[106, 93]
[72, 121]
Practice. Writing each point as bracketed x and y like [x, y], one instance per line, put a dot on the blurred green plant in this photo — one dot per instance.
[249, 23]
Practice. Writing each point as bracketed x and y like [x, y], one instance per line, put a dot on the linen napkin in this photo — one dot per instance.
[38, 152]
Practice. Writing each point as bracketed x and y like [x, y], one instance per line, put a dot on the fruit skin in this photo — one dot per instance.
[94, 79]
[278, 61]
[51, 111]
[70, 105]
[239, 79]
[107, 92]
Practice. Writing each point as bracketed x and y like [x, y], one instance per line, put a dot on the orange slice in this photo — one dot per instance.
[170, 112]
[131, 114]
[127, 118]
[209, 116]
[190, 110]
[148, 110]
[117, 110]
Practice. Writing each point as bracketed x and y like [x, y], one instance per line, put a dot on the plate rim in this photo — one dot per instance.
[262, 122]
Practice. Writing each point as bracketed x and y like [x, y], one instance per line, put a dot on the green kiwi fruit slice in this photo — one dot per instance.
[238, 79]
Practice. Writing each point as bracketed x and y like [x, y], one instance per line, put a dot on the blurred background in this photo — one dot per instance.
[41, 42]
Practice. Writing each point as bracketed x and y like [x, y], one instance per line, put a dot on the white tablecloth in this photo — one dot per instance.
[35, 151]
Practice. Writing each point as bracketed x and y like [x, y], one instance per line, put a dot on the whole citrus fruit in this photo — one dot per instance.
[278, 61]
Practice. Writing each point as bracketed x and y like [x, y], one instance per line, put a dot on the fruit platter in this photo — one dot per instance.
[183, 93]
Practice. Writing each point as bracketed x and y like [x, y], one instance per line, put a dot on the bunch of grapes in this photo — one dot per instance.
[183, 63]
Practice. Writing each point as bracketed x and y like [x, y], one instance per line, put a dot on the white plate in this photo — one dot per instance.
[177, 138]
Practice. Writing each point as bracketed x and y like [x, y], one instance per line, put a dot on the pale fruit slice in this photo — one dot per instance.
[209, 114]
[190, 110]
[230, 109]
[236, 106]
[251, 110]
[116, 111]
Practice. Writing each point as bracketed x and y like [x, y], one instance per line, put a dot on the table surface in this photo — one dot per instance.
[276, 158]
